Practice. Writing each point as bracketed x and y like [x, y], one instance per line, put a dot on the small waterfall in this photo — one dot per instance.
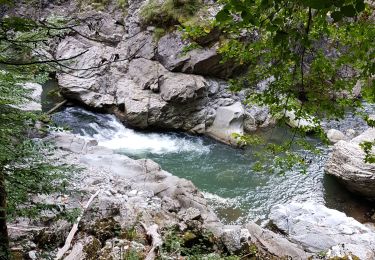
[111, 133]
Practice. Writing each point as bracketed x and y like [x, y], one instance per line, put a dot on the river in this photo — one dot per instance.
[236, 192]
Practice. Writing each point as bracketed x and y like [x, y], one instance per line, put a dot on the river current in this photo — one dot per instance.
[224, 174]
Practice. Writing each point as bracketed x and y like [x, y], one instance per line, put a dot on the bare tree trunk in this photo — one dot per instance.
[4, 239]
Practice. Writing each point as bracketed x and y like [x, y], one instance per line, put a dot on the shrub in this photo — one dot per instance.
[167, 13]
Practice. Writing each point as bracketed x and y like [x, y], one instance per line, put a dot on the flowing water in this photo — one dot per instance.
[223, 173]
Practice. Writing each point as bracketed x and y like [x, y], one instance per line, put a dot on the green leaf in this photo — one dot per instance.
[360, 6]
[318, 4]
[337, 16]
[223, 15]
[348, 11]
[338, 3]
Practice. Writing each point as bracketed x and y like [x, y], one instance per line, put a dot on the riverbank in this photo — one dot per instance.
[224, 174]
[135, 202]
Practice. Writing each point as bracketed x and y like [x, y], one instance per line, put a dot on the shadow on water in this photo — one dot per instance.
[337, 197]
[50, 95]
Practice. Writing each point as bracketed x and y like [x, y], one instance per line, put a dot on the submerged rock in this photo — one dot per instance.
[347, 163]
[317, 228]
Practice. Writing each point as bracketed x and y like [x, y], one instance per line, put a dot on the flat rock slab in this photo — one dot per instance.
[317, 228]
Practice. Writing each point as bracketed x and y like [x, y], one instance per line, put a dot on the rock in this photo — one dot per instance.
[180, 88]
[170, 51]
[141, 45]
[350, 133]
[227, 123]
[73, 143]
[317, 228]
[190, 214]
[203, 61]
[346, 162]
[305, 123]
[146, 74]
[334, 135]
[275, 243]
[35, 95]
[345, 251]
[235, 238]
[33, 255]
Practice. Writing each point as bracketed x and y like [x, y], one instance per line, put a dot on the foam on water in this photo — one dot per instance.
[111, 133]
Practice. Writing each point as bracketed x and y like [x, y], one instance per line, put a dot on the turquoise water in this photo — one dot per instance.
[223, 173]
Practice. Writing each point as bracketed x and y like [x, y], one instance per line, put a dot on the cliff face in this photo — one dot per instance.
[149, 75]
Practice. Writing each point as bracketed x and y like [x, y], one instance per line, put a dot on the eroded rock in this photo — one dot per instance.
[347, 163]
[317, 228]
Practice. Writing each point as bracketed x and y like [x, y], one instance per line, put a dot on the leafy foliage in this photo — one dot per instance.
[367, 148]
[168, 13]
[301, 52]
[303, 56]
[28, 173]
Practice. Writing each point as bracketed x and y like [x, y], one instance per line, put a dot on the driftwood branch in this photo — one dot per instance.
[74, 229]
[152, 232]
[42, 61]
[57, 106]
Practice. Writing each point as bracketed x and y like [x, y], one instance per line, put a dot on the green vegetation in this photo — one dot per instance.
[27, 169]
[101, 5]
[158, 33]
[165, 14]
[313, 52]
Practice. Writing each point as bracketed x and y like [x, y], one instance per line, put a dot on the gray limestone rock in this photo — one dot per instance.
[227, 123]
[275, 243]
[317, 228]
[346, 162]
[335, 135]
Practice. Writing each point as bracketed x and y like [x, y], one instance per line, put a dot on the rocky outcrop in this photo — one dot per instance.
[147, 95]
[347, 163]
[202, 60]
[317, 228]
[133, 196]
[149, 83]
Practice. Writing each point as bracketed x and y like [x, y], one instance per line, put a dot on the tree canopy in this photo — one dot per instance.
[26, 166]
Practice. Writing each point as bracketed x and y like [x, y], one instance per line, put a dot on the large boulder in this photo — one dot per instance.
[203, 61]
[347, 163]
[317, 228]
[228, 123]
[335, 135]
